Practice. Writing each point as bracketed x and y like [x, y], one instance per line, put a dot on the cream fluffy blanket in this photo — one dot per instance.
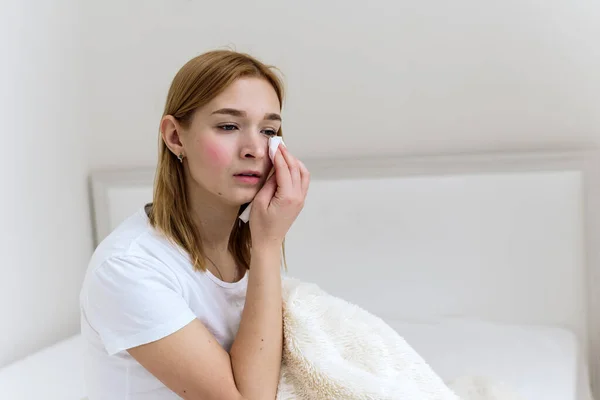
[336, 350]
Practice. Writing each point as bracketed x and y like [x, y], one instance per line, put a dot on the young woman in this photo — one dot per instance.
[183, 300]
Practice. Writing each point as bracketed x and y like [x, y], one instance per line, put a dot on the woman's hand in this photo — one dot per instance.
[278, 203]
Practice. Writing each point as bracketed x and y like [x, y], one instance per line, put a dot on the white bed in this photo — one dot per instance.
[538, 362]
[482, 262]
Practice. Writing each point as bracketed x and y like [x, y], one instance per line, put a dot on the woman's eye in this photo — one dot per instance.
[228, 127]
[270, 132]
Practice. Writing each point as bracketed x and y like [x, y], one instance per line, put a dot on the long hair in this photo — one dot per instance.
[198, 82]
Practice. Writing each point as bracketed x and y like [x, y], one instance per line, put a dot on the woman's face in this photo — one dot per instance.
[226, 144]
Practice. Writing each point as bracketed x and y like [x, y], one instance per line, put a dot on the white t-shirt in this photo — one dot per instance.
[139, 288]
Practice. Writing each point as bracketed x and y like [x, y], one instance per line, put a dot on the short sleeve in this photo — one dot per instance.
[132, 301]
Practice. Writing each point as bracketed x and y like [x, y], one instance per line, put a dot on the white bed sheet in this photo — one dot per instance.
[540, 363]
[54, 373]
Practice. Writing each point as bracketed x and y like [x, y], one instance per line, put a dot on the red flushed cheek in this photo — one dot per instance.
[217, 155]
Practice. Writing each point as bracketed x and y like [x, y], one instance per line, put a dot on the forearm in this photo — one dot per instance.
[256, 351]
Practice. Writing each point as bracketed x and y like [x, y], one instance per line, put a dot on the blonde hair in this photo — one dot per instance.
[198, 82]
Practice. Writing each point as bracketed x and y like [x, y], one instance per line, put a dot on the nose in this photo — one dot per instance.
[254, 145]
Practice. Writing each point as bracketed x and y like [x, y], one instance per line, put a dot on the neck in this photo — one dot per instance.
[214, 219]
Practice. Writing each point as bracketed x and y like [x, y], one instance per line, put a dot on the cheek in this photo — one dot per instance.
[216, 155]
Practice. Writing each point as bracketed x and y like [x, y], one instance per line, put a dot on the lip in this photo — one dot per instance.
[244, 177]
[253, 180]
[250, 172]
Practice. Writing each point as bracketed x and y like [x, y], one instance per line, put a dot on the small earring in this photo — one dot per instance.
[180, 157]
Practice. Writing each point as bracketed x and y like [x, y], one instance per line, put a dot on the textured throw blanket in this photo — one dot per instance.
[336, 350]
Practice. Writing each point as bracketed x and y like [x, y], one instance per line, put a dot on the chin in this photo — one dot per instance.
[239, 199]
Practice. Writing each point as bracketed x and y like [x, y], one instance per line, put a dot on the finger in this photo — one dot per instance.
[293, 166]
[305, 174]
[282, 171]
[266, 193]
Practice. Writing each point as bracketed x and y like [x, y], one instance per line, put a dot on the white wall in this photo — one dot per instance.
[394, 76]
[44, 227]
[87, 82]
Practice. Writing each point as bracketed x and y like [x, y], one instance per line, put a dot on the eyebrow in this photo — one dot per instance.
[240, 113]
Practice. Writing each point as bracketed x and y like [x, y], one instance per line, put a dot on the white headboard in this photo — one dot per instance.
[499, 237]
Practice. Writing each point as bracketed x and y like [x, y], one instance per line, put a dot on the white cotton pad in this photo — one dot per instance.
[274, 142]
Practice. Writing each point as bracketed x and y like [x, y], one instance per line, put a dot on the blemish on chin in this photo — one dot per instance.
[220, 194]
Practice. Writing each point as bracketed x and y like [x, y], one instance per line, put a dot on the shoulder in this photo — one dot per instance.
[129, 300]
[128, 239]
[134, 255]
[135, 239]
[128, 280]
[137, 285]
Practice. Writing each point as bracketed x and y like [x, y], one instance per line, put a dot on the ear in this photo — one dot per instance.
[171, 130]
